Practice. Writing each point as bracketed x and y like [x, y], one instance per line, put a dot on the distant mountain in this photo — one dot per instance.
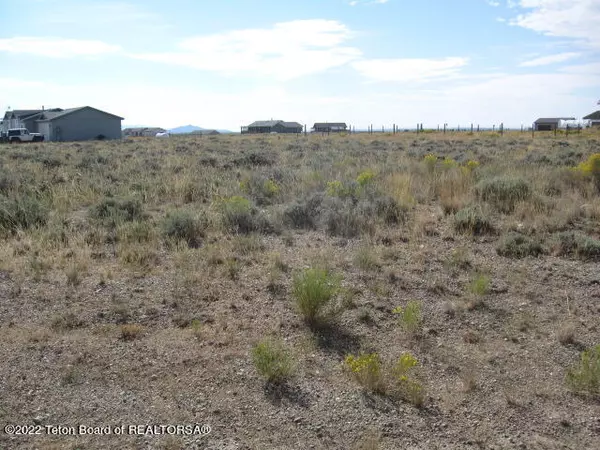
[192, 128]
[185, 129]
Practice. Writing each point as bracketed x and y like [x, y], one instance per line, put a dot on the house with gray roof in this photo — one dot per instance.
[143, 131]
[549, 123]
[23, 118]
[329, 127]
[594, 119]
[73, 124]
[273, 126]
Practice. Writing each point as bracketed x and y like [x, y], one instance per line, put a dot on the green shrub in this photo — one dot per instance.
[240, 216]
[480, 285]
[471, 220]
[182, 226]
[410, 317]
[575, 244]
[585, 377]
[517, 245]
[398, 380]
[114, 211]
[408, 385]
[314, 290]
[367, 370]
[430, 162]
[342, 190]
[366, 177]
[503, 192]
[263, 190]
[591, 168]
[272, 361]
[21, 213]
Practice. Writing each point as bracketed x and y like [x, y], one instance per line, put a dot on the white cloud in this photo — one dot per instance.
[287, 50]
[550, 59]
[55, 47]
[406, 70]
[562, 18]
[493, 3]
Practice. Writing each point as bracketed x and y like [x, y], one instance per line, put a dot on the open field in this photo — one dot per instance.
[364, 291]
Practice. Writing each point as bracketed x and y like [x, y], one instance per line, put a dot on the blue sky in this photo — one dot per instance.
[225, 64]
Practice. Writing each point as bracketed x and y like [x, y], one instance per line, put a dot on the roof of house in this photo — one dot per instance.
[52, 115]
[272, 123]
[593, 116]
[292, 125]
[27, 113]
[265, 123]
[553, 119]
[329, 124]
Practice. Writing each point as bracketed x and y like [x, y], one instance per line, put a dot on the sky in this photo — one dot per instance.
[224, 64]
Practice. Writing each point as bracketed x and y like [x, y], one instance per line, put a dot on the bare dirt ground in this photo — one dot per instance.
[107, 320]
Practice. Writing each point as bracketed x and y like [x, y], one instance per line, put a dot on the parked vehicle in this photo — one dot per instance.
[18, 135]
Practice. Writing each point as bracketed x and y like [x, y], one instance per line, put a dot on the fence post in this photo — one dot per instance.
[445, 125]
[471, 128]
[478, 128]
[438, 127]
[502, 129]
[532, 130]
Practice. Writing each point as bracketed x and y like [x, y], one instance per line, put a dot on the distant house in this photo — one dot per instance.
[24, 118]
[550, 123]
[273, 126]
[594, 119]
[74, 124]
[332, 127]
[143, 132]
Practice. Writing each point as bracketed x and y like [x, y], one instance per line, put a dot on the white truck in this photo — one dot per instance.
[18, 135]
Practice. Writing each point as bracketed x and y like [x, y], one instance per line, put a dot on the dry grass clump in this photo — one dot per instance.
[183, 226]
[21, 213]
[576, 244]
[130, 332]
[472, 220]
